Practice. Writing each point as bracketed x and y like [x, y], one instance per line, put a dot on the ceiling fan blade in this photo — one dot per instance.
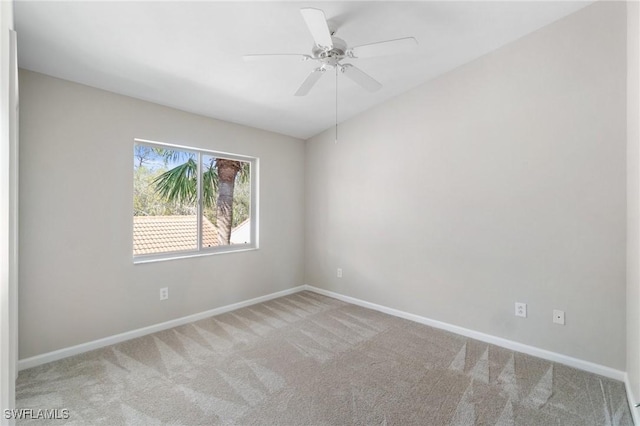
[317, 24]
[258, 57]
[310, 81]
[360, 77]
[384, 48]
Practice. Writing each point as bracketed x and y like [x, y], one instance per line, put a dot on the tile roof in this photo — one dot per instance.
[162, 234]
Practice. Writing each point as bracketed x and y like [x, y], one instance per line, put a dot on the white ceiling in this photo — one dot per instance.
[188, 55]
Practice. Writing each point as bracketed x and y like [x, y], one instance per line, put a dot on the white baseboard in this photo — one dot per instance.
[591, 367]
[100, 343]
[635, 411]
[498, 341]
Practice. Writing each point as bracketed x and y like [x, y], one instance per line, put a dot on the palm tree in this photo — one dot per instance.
[227, 172]
[179, 184]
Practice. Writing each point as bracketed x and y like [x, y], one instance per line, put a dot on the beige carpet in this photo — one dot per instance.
[306, 359]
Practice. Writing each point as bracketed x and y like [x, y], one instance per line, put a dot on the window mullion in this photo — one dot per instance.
[199, 190]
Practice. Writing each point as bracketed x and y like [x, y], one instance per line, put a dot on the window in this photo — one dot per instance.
[188, 201]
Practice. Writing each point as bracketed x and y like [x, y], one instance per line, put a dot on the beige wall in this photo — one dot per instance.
[78, 282]
[501, 181]
[633, 198]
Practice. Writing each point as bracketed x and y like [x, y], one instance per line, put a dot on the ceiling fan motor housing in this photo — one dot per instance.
[332, 56]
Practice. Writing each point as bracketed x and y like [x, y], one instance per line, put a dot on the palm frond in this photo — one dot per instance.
[173, 156]
[209, 187]
[244, 175]
[179, 184]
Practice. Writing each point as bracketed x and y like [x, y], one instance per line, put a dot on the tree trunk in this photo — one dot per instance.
[227, 171]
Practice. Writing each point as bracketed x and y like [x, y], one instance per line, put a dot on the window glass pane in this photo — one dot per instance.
[164, 200]
[241, 232]
[226, 201]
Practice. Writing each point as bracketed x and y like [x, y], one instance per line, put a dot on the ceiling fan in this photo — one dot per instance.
[329, 51]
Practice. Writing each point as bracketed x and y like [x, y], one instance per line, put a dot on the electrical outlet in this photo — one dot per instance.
[164, 293]
[521, 309]
[339, 272]
[558, 316]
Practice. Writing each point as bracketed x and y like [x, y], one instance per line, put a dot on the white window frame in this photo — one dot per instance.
[207, 251]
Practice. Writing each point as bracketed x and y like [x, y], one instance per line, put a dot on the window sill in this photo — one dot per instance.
[162, 257]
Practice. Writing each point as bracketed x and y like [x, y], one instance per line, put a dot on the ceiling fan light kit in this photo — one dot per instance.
[329, 51]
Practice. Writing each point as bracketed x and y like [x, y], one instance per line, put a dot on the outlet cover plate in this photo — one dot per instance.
[521, 309]
[164, 293]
